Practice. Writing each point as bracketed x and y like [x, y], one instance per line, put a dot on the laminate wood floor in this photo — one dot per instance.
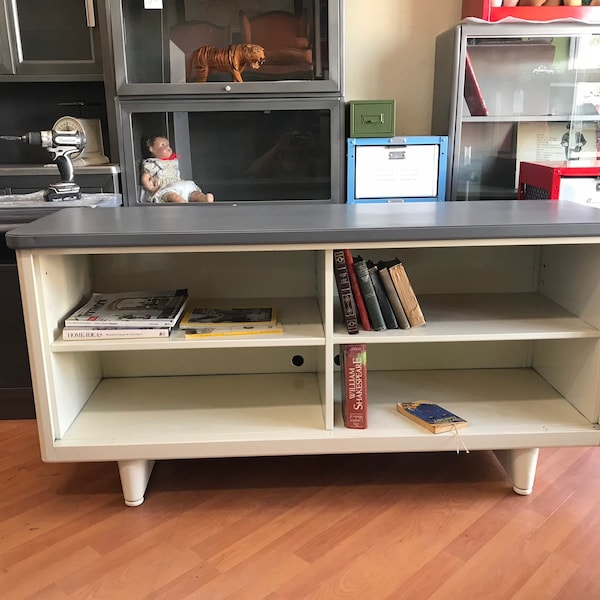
[368, 527]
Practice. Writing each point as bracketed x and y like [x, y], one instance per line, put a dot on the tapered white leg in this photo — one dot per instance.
[134, 479]
[520, 464]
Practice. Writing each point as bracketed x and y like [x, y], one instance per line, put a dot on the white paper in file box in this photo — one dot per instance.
[397, 171]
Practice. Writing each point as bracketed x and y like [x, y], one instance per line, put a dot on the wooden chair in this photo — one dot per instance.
[285, 38]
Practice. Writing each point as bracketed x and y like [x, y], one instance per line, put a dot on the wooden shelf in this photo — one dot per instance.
[479, 317]
[300, 317]
[242, 415]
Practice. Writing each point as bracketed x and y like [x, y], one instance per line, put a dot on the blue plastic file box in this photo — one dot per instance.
[397, 169]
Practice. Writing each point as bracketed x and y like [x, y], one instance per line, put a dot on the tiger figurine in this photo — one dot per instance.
[233, 60]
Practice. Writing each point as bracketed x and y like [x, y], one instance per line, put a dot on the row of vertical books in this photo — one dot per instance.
[375, 296]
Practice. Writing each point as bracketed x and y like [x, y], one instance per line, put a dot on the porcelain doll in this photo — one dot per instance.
[161, 179]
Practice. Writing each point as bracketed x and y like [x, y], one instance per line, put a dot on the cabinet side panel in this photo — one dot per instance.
[326, 298]
[51, 286]
[445, 77]
[64, 282]
[572, 368]
[569, 276]
[74, 378]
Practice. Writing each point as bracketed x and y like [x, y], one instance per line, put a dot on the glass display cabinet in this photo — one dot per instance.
[157, 46]
[248, 124]
[62, 37]
[243, 150]
[505, 93]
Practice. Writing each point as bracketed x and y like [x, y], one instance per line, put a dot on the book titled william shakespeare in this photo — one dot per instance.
[433, 417]
[353, 363]
[130, 309]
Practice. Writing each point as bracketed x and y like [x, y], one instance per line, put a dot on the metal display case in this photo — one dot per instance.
[270, 130]
[511, 92]
[57, 39]
[242, 150]
[156, 46]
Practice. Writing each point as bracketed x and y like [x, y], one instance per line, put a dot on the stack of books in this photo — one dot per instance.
[140, 314]
[375, 296]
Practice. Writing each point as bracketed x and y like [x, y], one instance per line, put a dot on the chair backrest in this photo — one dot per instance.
[190, 35]
[274, 29]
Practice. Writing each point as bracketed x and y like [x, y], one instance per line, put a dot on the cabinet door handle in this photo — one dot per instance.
[89, 13]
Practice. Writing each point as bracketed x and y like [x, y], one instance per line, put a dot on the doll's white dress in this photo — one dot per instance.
[166, 174]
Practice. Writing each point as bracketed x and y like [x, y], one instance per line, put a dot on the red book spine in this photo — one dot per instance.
[473, 93]
[354, 385]
[358, 297]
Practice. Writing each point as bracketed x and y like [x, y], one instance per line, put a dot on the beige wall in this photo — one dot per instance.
[389, 53]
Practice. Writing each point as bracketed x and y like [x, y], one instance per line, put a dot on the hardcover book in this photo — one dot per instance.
[357, 292]
[353, 362]
[386, 308]
[407, 296]
[212, 316]
[369, 295]
[392, 294]
[201, 332]
[130, 309]
[114, 333]
[431, 416]
[473, 94]
[342, 280]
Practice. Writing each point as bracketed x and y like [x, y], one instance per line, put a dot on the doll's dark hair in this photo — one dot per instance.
[148, 142]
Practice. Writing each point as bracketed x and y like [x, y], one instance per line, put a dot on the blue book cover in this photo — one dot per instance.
[431, 416]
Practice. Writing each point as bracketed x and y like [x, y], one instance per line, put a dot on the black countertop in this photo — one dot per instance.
[338, 224]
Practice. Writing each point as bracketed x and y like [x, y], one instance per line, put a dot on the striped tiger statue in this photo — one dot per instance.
[233, 60]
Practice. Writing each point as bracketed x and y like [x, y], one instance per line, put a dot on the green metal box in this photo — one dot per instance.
[372, 118]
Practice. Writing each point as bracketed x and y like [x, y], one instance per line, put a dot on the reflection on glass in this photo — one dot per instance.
[526, 99]
[251, 155]
[173, 44]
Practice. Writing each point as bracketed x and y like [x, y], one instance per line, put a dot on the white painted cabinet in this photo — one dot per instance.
[512, 340]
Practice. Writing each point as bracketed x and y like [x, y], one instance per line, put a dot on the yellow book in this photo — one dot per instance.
[200, 332]
[213, 316]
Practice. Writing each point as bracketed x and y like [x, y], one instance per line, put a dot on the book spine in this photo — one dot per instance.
[120, 324]
[369, 296]
[386, 308]
[473, 94]
[75, 333]
[354, 385]
[358, 296]
[407, 295]
[390, 290]
[342, 279]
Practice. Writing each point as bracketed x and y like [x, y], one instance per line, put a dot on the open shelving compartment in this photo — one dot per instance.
[511, 344]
